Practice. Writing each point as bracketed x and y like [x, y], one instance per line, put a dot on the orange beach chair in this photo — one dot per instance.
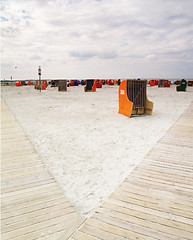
[133, 98]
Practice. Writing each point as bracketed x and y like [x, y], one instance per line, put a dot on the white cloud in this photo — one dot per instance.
[120, 35]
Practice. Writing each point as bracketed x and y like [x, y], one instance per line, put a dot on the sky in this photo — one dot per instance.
[79, 39]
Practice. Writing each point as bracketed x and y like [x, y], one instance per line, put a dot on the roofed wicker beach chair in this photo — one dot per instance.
[183, 86]
[90, 86]
[133, 98]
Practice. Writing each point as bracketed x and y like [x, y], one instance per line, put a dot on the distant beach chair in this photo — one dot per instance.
[167, 83]
[40, 84]
[133, 98]
[161, 83]
[71, 83]
[62, 85]
[37, 84]
[98, 83]
[18, 84]
[177, 82]
[23, 83]
[44, 85]
[82, 82]
[110, 82]
[190, 83]
[76, 83]
[183, 86]
[90, 86]
[152, 83]
[54, 83]
[118, 82]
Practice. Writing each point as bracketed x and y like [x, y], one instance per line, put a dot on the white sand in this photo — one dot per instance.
[88, 147]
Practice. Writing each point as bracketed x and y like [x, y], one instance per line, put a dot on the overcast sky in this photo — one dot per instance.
[97, 39]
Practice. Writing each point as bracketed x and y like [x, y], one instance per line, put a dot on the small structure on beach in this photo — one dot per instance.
[190, 83]
[183, 86]
[22, 83]
[18, 84]
[40, 84]
[177, 82]
[133, 98]
[62, 85]
[167, 83]
[83, 82]
[163, 83]
[54, 83]
[110, 82]
[76, 82]
[98, 83]
[71, 83]
[90, 86]
[118, 82]
[152, 83]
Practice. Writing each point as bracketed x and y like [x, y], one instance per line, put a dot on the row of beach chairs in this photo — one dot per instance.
[132, 93]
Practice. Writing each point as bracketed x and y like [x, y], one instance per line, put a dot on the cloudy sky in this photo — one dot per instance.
[97, 39]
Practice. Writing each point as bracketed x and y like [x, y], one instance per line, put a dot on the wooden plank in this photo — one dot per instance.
[24, 166]
[30, 185]
[34, 205]
[152, 205]
[22, 181]
[155, 199]
[98, 233]
[175, 166]
[166, 177]
[161, 186]
[168, 215]
[83, 236]
[22, 173]
[66, 233]
[171, 171]
[36, 223]
[156, 193]
[30, 197]
[161, 226]
[12, 196]
[15, 162]
[59, 224]
[119, 228]
[147, 217]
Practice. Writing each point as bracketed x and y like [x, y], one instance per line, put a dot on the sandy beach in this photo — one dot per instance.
[87, 146]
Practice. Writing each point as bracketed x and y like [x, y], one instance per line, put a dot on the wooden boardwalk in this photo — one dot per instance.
[156, 199]
[32, 204]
